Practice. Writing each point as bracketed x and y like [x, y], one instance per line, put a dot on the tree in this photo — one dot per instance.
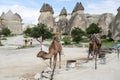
[5, 31]
[41, 30]
[27, 32]
[93, 28]
[77, 34]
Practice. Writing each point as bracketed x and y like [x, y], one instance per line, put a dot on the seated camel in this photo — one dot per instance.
[54, 49]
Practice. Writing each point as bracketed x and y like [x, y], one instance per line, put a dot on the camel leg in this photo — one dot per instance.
[55, 59]
[50, 62]
[118, 52]
[95, 60]
[89, 53]
[60, 60]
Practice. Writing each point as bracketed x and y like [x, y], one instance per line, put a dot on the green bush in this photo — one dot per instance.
[39, 30]
[27, 32]
[93, 28]
[65, 34]
[77, 34]
[67, 40]
[5, 31]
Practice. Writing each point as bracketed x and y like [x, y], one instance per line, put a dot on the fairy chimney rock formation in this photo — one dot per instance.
[12, 21]
[62, 24]
[78, 8]
[78, 18]
[115, 26]
[63, 12]
[46, 16]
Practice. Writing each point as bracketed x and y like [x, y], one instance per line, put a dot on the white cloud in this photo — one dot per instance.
[105, 6]
[29, 15]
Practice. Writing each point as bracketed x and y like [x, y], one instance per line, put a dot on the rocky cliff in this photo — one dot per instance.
[65, 22]
[104, 22]
[11, 21]
[115, 26]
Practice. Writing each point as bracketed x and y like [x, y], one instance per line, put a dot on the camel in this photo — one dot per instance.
[94, 49]
[54, 49]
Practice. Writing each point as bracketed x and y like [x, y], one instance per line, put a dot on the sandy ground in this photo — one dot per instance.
[16, 64]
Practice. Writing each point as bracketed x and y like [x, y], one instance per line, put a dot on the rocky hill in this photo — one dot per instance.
[115, 26]
[11, 21]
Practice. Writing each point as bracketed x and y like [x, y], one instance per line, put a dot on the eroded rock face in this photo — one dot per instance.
[47, 19]
[104, 22]
[92, 19]
[0, 25]
[78, 20]
[62, 24]
[115, 26]
[46, 16]
[65, 22]
[12, 22]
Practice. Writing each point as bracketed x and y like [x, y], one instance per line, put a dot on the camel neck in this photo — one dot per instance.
[49, 55]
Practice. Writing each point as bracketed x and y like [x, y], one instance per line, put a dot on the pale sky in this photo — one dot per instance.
[29, 9]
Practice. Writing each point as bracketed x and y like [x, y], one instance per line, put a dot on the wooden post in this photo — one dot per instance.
[53, 72]
[95, 61]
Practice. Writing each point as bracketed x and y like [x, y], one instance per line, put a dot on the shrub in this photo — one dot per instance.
[67, 40]
[77, 34]
[27, 32]
[39, 30]
[5, 31]
[93, 28]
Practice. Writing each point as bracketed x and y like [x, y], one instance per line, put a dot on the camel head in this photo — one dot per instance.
[42, 54]
[56, 38]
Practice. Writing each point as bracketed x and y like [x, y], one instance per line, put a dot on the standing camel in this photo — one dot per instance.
[94, 48]
[54, 49]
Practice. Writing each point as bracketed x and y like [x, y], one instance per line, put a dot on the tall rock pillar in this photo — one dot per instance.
[46, 16]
